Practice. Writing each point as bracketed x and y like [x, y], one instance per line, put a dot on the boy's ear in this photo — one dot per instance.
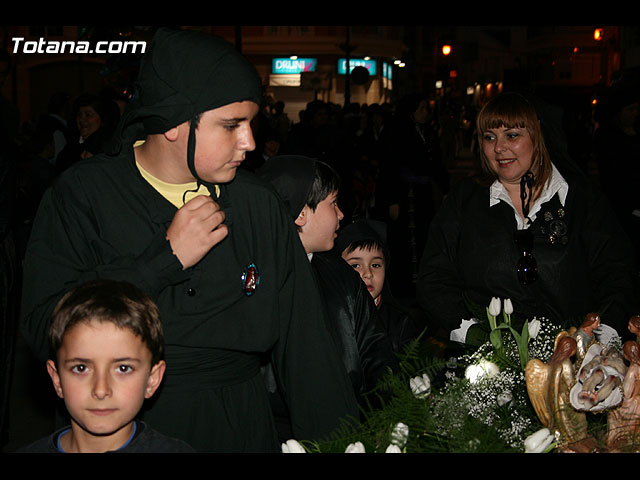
[55, 378]
[301, 220]
[171, 134]
[155, 378]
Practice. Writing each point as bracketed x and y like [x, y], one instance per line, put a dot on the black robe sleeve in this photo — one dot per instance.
[66, 248]
[440, 287]
[353, 321]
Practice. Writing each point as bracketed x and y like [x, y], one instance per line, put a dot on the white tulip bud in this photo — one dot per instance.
[480, 370]
[292, 446]
[356, 447]
[534, 328]
[539, 441]
[420, 386]
[400, 434]
[393, 449]
[494, 306]
[508, 306]
[504, 398]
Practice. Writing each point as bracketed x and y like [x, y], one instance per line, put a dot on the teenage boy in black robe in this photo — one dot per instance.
[211, 245]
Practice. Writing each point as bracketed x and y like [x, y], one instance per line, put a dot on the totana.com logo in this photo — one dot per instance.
[20, 45]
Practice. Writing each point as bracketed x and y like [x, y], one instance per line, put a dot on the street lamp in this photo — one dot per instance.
[597, 34]
[446, 50]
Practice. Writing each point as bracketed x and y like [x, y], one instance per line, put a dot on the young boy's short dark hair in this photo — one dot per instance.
[366, 234]
[300, 180]
[326, 181]
[366, 244]
[118, 302]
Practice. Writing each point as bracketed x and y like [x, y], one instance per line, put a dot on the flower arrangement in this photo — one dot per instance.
[474, 402]
[493, 389]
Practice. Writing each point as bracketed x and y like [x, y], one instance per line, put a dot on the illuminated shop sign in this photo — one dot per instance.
[289, 65]
[356, 62]
[387, 70]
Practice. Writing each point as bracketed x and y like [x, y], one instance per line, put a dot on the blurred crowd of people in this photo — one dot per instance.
[72, 129]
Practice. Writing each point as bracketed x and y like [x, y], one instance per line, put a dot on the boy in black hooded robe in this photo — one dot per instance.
[400, 323]
[309, 188]
[216, 251]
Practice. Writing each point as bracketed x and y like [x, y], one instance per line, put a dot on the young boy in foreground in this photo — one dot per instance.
[106, 359]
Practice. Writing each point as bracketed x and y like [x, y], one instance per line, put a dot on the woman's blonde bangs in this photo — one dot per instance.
[512, 110]
[508, 111]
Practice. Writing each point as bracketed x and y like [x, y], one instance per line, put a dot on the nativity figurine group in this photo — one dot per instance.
[588, 375]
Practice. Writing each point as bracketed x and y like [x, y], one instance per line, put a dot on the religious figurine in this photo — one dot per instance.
[549, 385]
[634, 326]
[585, 336]
[599, 381]
[623, 423]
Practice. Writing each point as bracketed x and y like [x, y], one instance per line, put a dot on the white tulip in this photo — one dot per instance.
[357, 447]
[508, 306]
[480, 370]
[420, 386]
[292, 446]
[393, 449]
[539, 441]
[400, 434]
[504, 398]
[534, 328]
[494, 306]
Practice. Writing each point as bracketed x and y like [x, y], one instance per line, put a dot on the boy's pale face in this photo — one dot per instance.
[318, 228]
[370, 265]
[223, 137]
[103, 373]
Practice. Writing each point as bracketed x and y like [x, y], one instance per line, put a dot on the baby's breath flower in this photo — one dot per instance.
[487, 398]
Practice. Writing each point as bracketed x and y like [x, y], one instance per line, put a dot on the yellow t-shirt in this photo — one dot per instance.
[173, 192]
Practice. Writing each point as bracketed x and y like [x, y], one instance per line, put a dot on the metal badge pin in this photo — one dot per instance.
[250, 279]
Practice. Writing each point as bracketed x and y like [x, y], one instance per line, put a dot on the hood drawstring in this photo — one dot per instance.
[191, 149]
[526, 181]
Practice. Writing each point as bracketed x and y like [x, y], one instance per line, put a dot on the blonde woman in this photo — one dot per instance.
[524, 230]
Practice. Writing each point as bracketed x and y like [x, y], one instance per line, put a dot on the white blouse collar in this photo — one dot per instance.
[556, 184]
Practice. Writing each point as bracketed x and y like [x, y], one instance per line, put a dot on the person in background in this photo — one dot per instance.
[616, 146]
[525, 231]
[363, 246]
[414, 180]
[94, 122]
[54, 123]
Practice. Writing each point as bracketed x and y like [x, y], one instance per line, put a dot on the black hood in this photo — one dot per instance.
[183, 74]
[292, 176]
[360, 230]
